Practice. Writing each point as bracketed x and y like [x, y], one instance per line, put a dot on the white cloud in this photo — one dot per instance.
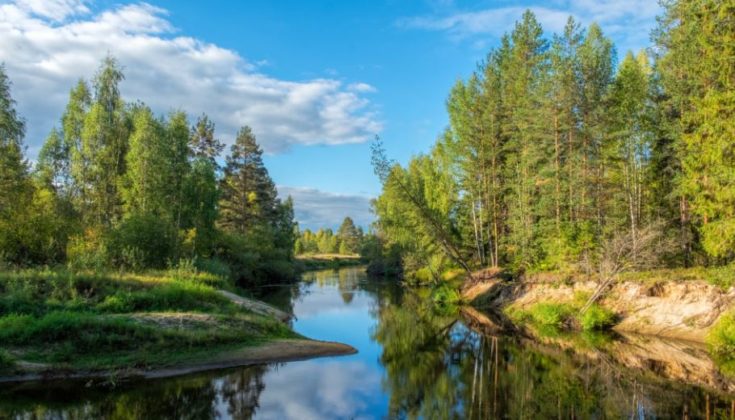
[56, 10]
[317, 209]
[628, 22]
[47, 45]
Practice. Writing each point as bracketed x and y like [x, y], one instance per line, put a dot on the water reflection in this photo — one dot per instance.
[414, 362]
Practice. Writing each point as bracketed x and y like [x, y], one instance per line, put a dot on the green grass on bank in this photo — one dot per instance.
[327, 261]
[564, 315]
[107, 321]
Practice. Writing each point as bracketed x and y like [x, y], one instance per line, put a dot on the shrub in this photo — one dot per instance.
[721, 338]
[550, 314]
[596, 318]
[723, 277]
[142, 241]
[445, 295]
[6, 361]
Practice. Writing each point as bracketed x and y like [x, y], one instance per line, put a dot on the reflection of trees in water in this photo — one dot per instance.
[241, 390]
[436, 368]
[209, 396]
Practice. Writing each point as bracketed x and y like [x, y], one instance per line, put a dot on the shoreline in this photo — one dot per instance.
[683, 310]
[276, 351]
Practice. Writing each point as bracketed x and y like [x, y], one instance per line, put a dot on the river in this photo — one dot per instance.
[414, 361]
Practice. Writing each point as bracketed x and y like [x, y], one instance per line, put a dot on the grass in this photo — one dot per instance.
[723, 277]
[721, 342]
[596, 318]
[564, 315]
[721, 338]
[97, 321]
[327, 261]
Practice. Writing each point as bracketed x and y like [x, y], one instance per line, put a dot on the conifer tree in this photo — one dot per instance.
[249, 196]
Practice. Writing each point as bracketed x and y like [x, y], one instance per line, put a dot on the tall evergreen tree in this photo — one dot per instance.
[696, 49]
[203, 142]
[628, 150]
[248, 196]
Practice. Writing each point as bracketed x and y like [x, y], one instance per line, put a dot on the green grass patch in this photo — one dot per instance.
[108, 321]
[560, 315]
[721, 342]
[596, 318]
[721, 338]
[550, 314]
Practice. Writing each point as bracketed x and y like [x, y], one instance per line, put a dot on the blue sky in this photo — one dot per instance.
[316, 80]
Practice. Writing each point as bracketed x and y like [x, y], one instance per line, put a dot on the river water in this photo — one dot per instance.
[414, 361]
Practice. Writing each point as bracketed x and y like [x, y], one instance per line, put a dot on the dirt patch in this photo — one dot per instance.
[256, 306]
[176, 319]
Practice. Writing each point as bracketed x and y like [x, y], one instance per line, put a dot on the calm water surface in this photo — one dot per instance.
[413, 362]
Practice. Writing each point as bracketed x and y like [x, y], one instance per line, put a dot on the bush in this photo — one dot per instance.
[6, 361]
[597, 318]
[723, 277]
[142, 241]
[445, 295]
[721, 338]
[550, 314]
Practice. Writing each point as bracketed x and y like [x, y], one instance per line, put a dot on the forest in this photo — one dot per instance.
[116, 187]
[561, 157]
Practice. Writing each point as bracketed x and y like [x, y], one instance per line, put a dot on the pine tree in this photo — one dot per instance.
[628, 150]
[695, 43]
[202, 142]
[249, 196]
[522, 68]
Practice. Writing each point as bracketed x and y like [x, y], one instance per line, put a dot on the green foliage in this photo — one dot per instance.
[446, 295]
[118, 187]
[141, 241]
[723, 277]
[721, 337]
[550, 314]
[7, 362]
[98, 321]
[597, 318]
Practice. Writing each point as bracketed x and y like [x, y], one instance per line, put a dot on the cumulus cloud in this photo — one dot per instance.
[627, 21]
[317, 209]
[48, 44]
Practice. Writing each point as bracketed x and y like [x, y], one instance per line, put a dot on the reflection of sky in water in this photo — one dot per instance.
[341, 387]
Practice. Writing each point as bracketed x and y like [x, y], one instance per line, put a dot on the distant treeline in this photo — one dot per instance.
[348, 240]
[116, 186]
[555, 150]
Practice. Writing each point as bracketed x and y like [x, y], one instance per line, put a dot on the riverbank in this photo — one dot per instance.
[57, 324]
[683, 307]
[308, 262]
